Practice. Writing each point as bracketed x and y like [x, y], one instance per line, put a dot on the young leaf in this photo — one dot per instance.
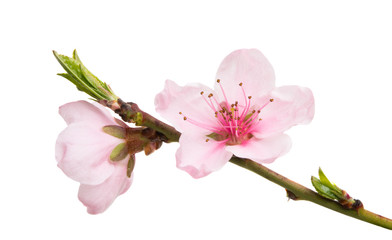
[83, 79]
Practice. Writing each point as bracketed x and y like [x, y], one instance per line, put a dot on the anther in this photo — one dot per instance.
[210, 95]
[180, 113]
[253, 111]
[218, 80]
[271, 100]
[202, 92]
[249, 97]
[240, 84]
[207, 140]
[185, 118]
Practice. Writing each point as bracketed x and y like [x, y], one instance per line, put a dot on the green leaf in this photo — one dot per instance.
[83, 79]
[71, 79]
[75, 56]
[322, 189]
[72, 67]
[324, 180]
[119, 152]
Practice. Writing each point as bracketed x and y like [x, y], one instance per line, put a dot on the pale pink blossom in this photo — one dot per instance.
[83, 153]
[245, 114]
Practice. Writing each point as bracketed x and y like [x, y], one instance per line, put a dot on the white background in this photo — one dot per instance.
[340, 49]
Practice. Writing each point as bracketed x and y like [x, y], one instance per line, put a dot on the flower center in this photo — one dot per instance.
[234, 122]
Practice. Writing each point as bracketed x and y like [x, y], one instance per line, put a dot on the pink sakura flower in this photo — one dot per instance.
[245, 114]
[84, 150]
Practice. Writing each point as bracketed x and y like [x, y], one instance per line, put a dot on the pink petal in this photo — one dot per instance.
[264, 150]
[198, 157]
[82, 152]
[292, 105]
[97, 198]
[248, 66]
[82, 111]
[187, 100]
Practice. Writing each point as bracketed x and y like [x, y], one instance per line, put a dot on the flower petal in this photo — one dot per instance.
[97, 198]
[198, 157]
[187, 100]
[292, 105]
[83, 153]
[248, 66]
[82, 111]
[264, 150]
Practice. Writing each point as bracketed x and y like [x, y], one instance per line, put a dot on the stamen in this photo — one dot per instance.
[246, 102]
[201, 125]
[265, 104]
[247, 107]
[209, 104]
[234, 121]
[224, 95]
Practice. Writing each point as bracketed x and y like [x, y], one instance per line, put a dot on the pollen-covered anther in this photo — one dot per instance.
[271, 100]
[210, 95]
[240, 84]
[218, 80]
[249, 97]
[202, 92]
[185, 118]
[207, 140]
[180, 113]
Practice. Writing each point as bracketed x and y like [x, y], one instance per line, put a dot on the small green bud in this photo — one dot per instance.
[138, 119]
[329, 190]
[83, 79]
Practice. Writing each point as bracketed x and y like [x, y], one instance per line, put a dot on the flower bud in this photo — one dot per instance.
[329, 190]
